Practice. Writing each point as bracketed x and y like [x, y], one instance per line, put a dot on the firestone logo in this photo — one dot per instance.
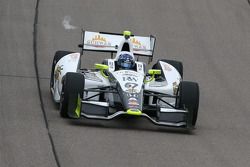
[99, 41]
[137, 44]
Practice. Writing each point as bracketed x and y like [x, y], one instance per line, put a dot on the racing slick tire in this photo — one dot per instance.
[176, 64]
[72, 90]
[58, 55]
[189, 99]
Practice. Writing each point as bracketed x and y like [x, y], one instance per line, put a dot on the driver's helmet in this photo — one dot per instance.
[126, 60]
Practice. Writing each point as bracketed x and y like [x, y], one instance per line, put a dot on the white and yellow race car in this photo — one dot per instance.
[120, 85]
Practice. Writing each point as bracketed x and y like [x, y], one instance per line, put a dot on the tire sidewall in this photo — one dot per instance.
[73, 86]
[188, 93]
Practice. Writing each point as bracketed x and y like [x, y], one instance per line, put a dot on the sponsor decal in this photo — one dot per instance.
[92, 76]
[98, 41]
[133, 102]
[130, 78]
[139, 67]
[127, 73]
[132, 95]
[166, 67]
[58, 72]
[137, 45]
[158, 84]
[111, 64]
[73, 57]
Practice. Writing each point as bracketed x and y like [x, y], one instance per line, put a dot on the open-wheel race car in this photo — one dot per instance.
[121, 85]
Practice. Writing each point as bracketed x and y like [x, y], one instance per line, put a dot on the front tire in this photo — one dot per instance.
[189, 100]
[72, 90]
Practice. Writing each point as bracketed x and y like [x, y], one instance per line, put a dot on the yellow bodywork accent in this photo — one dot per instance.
[78, 107]
[152, 72]
[101, 66]
[134, 112]
[152, 78]
[127, 33]
[103, 74]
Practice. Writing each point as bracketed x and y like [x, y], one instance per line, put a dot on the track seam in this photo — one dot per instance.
[38, 83]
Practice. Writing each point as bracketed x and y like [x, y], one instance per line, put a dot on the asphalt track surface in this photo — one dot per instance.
[211, 38]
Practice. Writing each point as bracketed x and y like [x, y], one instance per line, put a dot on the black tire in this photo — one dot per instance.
[189, 99]
[73, 85]
[58, 55]
[176, 64]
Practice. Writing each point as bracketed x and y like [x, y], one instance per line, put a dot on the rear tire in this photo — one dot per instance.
[189, 99]
[176, 64]
[58, 55]
[73, 85]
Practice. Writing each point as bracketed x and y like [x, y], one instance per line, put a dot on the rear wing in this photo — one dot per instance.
[109, 42]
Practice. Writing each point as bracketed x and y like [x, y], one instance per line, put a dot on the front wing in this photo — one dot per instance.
[100, 110]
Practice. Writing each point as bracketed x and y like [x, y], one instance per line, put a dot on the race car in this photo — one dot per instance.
[121, 85]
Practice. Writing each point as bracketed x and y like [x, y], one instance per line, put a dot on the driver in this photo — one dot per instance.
[126, 61]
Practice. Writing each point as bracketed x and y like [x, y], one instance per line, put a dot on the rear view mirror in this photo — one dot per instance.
[154, 72]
